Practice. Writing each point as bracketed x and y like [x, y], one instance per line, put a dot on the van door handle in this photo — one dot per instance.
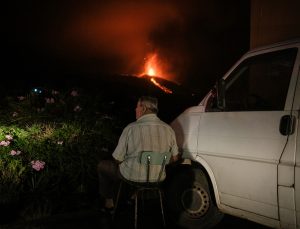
[287, 125]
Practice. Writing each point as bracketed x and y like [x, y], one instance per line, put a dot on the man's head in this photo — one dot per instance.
[146, 105]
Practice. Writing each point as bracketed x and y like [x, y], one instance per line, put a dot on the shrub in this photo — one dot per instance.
[50, 144]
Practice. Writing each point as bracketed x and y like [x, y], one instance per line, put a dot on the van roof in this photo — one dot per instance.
[295, 41]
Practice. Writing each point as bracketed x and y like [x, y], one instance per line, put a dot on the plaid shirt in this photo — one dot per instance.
[148, 133]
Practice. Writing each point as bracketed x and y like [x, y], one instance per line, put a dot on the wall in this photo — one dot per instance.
[274, 21]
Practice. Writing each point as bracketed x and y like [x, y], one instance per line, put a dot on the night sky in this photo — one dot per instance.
[195, 41]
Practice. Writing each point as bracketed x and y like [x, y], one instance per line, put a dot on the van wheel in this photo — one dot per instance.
[189, 200]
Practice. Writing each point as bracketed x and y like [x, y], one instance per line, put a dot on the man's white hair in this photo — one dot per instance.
[150, 103]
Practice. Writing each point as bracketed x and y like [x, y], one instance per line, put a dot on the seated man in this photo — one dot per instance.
[147, 133]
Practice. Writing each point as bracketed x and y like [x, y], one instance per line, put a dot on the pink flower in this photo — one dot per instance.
[55, 92]
[13, 152]
[40, 110]
[9, 137]
[49, 100]
[4, 143]
[38, 165]
[74, 93]
[77, 108]
[21, 98]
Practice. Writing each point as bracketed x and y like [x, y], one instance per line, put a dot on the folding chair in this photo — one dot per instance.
[148, 159]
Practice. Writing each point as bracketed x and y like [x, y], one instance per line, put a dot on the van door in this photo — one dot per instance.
[297, 167]
[287, 173]
[243, 144]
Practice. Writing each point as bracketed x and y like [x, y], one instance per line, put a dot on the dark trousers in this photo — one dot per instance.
[109, 178]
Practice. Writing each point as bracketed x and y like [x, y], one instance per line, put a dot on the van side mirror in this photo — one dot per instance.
[220, 85]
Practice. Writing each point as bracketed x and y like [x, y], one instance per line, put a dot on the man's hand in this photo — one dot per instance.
[174, 158]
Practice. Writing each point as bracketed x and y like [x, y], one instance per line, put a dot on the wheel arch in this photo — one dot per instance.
[204, 166]
[188, 179]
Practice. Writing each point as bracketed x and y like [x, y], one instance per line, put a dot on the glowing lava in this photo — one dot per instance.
[166, 90]
[151, 72]
[152, 68]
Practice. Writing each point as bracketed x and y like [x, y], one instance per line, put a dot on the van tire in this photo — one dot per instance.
[184, 185]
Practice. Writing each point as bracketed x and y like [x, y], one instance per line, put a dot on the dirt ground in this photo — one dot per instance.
[90, 219]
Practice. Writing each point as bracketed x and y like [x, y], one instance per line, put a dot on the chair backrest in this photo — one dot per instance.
[149, 158]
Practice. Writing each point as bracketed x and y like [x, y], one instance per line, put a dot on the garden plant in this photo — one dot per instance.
[50, 143]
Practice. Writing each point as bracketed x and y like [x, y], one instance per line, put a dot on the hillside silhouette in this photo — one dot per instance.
[121, 90]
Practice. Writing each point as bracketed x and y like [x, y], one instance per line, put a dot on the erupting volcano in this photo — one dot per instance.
[152, 70]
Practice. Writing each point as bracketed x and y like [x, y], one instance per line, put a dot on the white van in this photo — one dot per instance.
[241, 145]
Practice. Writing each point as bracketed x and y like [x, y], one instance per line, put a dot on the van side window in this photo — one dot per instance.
[260, 83]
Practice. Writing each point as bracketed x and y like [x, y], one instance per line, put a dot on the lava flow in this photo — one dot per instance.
[152, 69]
[166, 90]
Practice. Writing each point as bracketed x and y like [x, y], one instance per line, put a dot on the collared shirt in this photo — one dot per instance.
[148, 133]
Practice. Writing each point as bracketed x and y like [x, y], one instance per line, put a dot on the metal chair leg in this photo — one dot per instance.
[162, 208]
[136, 210]
[117, 200]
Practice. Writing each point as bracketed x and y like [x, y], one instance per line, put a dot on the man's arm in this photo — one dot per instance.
[120, 151]
[175, 153]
